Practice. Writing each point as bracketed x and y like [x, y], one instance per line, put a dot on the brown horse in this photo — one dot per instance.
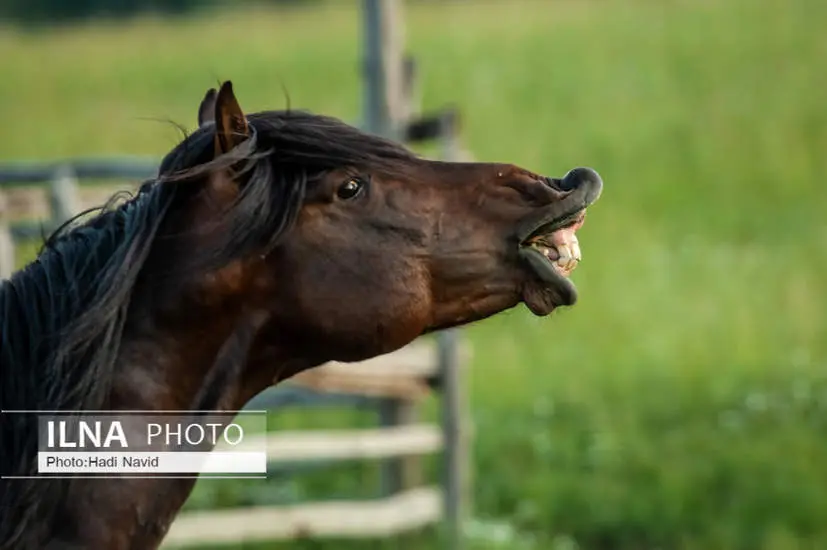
[268, 244]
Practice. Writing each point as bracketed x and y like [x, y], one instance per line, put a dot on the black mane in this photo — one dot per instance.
[62, 317]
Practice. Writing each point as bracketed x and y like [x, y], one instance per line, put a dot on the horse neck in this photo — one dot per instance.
[136, 513]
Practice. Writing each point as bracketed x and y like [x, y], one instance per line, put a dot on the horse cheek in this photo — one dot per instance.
[402, 311]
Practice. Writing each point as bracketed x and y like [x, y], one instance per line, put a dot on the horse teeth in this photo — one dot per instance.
[565, 252]
[569, 256]
[575, 249]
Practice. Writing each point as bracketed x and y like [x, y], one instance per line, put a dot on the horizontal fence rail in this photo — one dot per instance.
[135, 168]
[399, 513]
[341, 445]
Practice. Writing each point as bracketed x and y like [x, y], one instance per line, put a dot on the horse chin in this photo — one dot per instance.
[541, 300]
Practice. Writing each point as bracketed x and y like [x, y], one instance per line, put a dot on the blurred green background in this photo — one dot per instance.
[682, 403]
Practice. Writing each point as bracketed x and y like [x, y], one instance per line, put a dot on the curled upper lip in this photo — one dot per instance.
[583, 186]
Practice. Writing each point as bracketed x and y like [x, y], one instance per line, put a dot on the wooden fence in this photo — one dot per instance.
[397, 380]
[393, 385]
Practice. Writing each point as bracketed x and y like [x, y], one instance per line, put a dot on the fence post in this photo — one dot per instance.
[384, 80]
[456, 426]
[386, 110]
[7, 260]
[411, 90]
[63, 195]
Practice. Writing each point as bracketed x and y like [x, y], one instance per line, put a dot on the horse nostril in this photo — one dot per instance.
[580, 176]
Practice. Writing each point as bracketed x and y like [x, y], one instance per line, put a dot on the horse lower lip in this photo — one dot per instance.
[552, 274]
[564, 261]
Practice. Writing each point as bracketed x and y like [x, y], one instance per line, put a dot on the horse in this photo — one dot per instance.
[267, 244]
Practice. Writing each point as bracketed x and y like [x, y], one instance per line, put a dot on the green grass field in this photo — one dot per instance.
[682, 404]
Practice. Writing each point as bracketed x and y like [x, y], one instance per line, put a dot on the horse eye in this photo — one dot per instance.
[350, 189]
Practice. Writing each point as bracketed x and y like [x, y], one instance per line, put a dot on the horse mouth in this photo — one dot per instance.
[553, 252]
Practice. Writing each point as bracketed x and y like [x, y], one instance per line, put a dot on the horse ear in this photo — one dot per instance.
[206, 111]
[230, 123]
